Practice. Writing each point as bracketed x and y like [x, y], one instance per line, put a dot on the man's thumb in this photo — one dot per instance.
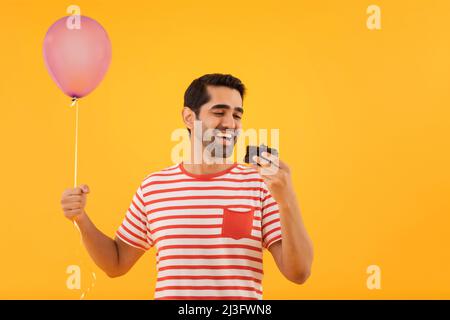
[84, 188]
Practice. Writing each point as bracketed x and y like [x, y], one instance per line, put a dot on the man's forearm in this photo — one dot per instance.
[102, 249]
[297, 250]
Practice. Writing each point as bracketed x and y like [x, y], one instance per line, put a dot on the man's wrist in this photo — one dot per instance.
[289, 202]
[81, 219]
[287, 198]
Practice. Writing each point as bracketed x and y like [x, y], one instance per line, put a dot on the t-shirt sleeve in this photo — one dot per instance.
[135, 229]
[270, 221]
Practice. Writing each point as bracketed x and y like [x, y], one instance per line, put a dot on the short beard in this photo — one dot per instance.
[216, 149]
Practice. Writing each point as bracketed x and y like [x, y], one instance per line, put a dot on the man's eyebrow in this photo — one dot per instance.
[239, 109]
[225, 106]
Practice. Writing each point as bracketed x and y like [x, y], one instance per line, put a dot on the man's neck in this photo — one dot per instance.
[198, 166]
[204, 168]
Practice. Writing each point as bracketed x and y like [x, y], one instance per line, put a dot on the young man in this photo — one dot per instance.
[208, 221]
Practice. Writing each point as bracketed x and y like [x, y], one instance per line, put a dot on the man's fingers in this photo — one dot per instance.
[262, 162]
[73, 201]
[77, 191]
[84, 188]
[73, 204]
[266, 170]
[267, 167]
[75, 198]
[68, 192]
[272, 158]
[73, 191]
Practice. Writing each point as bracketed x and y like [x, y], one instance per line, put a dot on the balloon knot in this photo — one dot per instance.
[74, 101]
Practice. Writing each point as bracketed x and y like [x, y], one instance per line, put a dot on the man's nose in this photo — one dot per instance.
[228, 122]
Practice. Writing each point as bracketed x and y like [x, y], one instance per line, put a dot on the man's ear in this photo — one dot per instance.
[188, 117]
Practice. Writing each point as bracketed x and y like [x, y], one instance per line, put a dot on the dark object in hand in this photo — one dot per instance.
[257, 151]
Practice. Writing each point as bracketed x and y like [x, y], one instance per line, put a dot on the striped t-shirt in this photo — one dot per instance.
[209, 231]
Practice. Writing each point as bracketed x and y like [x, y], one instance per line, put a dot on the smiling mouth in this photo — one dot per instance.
[224, 136]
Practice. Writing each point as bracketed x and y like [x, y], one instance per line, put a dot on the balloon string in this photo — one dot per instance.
[75, 104]
[92, 273]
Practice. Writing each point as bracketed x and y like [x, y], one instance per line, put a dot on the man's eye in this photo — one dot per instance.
[237, 116]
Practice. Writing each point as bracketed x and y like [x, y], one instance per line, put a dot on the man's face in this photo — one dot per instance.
[221, 118]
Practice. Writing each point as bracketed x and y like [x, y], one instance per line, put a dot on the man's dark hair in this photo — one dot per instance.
[197, 95]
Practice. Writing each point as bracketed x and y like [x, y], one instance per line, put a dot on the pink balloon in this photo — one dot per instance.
[77, 58]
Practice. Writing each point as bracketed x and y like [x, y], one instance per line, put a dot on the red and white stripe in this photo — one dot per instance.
[181, 214]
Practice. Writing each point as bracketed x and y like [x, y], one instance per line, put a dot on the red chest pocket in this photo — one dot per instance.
[237, 224]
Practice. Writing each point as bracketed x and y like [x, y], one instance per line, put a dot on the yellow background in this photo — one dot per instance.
[363, 118]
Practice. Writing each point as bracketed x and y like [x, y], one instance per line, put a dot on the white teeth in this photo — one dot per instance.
[227, 136]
